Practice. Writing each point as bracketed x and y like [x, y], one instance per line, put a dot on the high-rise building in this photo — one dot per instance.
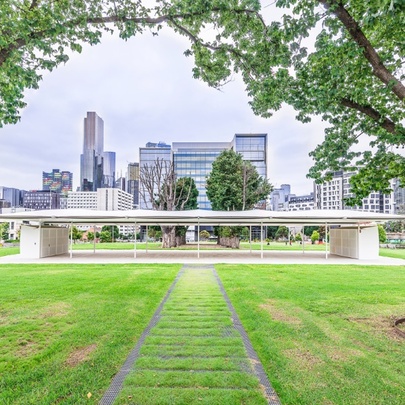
[13, 196]
[279, 198]
[132, 182]
[332, 195]
[195, 159]
[147, 158]
[41, 200]
[97, 168]
[104, 199]
[108, 170]
[60, 182]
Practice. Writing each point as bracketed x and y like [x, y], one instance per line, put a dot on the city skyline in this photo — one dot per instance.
[155, 99]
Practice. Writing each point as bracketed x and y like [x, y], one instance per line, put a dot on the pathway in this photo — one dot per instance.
[194, 351]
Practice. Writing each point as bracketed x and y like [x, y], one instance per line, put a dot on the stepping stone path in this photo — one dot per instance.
[194, 351]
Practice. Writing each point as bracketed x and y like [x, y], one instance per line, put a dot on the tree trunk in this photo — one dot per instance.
[180, 240]
[168, 236]
[231, 241]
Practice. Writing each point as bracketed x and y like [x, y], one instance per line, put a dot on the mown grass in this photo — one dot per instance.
[193, 355]
[65, 330]
[324, 333]
[6, 251]
[395, 253]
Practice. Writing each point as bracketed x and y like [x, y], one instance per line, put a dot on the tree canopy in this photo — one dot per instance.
[235, 184]
[342, 60]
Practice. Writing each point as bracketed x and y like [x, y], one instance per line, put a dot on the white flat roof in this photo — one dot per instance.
[203, 217]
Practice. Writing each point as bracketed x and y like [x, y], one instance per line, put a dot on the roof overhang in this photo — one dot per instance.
[202, 217]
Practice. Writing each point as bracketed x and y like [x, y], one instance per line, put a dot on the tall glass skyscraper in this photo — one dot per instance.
[97, 168]
[108, 170]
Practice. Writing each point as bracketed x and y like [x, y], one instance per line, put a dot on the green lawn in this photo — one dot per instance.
[395, 253]
[324, 333]
[6, 251]
[193, 355]
[65, 330]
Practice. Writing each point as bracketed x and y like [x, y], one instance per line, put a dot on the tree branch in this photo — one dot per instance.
[151, 21]
[385, 123]
[352, 26]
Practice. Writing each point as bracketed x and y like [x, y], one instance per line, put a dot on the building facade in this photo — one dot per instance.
[301, 202]
[104, 199]
[195, 159]
[132, 182]
[58, 181]
[279, 197]
[97, 167]
[147, 158]
[332, 194]
[13, 196]
[41, 200]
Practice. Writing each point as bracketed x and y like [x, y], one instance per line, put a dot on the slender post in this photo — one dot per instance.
[94, 239]
[135, 241]
[71, 240]
[302, 237]
[326, 240]
[147, 228]
[198, 239]
[40, 240]
[261, 240]
[250, 238]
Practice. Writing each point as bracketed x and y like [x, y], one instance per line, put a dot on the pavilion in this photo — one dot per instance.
[352, 233]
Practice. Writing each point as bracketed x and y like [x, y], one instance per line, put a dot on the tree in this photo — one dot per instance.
[314, 237]
[90, 236]
[298, 237]
[282, 232]
[162, 191]
[113, 231]
[39, 35]
[351, 76]
[76, 234]
[4, 228]
[204, 235]
[382, 236]
[105, 236]
[235, 184]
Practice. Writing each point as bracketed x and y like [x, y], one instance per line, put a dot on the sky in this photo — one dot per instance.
[144, 91]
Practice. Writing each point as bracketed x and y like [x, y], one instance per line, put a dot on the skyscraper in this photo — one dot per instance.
[91, 161]
[132, 182]
[108, 170]
[60, 182]
[147, 158]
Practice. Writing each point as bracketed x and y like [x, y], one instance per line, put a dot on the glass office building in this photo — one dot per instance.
[108, 170]
[194, 159]
[91, 161]
[147, 158]
[253, 147]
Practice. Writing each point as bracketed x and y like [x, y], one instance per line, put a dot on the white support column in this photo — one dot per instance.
[326, 240]
[146, 248]
[250, 238]
[198, 239]
[94, 239]
[261, 240]
[302, 239]
[135, 241]
[71, 240]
